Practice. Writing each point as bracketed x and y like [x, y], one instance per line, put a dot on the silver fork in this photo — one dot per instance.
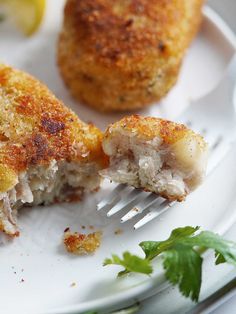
[213, 116]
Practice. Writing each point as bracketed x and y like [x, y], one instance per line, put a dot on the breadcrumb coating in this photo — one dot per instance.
[47, 154]
[81, 244]
[156, 155]
[125, 54]
[147, 128]
[35, 128]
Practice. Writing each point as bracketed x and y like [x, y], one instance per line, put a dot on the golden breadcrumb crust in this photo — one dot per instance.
[81, 244]
[147, 128]
[125, 54]
[35, 128]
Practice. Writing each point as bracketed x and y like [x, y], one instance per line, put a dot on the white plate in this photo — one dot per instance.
[38, 256]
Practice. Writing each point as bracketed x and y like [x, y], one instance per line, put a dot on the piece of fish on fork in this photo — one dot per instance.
[213, 116]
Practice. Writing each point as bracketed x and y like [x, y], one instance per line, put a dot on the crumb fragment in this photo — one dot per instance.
[83, 227]
[81, 244]
[91, 227]
[73, 284]
[118, 231]
[22, 280]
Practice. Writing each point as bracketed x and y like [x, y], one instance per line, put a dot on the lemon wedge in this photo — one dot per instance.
[28, 14]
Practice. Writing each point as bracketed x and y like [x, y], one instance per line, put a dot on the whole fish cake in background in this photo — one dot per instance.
[154, 154]
[125, 54]
[46, 153]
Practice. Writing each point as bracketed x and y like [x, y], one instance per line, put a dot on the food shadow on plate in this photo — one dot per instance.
[113, 286]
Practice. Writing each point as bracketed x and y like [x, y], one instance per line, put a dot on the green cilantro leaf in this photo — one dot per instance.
[225, 250]
[154, 248]
[131, 263]
[181, 255]
[219, 258]
[183, 267]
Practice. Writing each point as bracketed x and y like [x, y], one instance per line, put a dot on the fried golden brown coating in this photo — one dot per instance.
[35, 127]
[125, 54]
[40, 137]
[155, 154]
[147, 128]
[82, 244]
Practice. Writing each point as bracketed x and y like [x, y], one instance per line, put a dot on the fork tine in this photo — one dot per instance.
[144, 204]
[153, 214]
[125, 201]
[152, 200]
[115, 194]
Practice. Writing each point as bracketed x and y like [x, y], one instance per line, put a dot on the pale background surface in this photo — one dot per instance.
[227, 9]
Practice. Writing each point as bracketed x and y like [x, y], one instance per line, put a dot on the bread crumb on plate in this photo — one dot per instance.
[73, 284]
[82, 244]
[118, 231]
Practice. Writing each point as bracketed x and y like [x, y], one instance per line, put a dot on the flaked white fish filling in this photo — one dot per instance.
[45, 184]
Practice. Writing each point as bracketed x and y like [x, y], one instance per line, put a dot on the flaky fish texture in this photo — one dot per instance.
[46, 153]
[125, 54]
[156, 155]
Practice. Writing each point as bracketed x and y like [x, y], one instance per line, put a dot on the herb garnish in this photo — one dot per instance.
[181, 255]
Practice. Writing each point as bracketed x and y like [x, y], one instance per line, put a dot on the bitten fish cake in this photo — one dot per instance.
[125, 54]
[46, 153]
[156, 155]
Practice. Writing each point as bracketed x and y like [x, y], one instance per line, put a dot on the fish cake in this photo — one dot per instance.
[125, 54]
[156, 155]
[46, 153]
